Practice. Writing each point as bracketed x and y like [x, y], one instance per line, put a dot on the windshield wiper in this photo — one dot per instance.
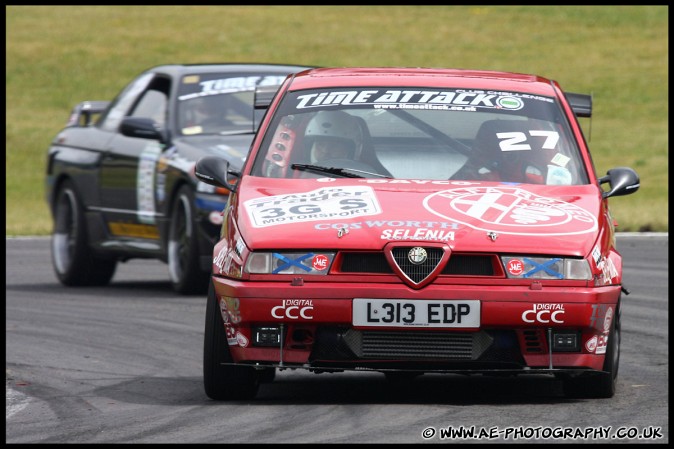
[346, 172]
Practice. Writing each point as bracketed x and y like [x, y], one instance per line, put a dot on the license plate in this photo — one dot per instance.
[416, 313]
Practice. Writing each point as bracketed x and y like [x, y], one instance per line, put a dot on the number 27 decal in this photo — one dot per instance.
[517, 141]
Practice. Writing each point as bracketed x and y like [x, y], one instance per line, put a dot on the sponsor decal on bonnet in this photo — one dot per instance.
[510, 210]
[320, 204]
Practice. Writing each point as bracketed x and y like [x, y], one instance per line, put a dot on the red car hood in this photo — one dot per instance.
[366, 214]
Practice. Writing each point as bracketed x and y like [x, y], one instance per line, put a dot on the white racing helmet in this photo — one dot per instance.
[336, 125]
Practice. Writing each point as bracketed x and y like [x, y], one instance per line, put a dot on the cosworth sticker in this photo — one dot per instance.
[466, 100]
[320, 204]
[438, 225]
[510, 210]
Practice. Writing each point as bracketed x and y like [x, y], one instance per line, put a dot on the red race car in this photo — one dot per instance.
[411, 221]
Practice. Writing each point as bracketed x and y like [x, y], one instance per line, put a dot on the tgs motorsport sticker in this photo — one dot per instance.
[510, 210]
[320, 204]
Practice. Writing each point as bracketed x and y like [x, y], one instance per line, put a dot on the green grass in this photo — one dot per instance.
[57, 56]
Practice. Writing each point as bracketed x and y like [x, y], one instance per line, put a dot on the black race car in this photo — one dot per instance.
[120, 176]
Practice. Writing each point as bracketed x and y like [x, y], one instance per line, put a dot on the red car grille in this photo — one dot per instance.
[403, 345]
[495, 348]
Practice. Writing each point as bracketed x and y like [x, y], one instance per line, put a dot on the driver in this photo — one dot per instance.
[206, 112]
[333, 135]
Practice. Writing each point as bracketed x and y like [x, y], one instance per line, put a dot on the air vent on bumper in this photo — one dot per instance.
[400, 345]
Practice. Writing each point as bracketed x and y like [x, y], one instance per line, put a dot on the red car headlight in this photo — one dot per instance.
[307, 263]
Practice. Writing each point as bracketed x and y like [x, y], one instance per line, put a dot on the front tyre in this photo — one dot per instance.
[186, 275]
[602, 385]
[223, 381]
[73, 260]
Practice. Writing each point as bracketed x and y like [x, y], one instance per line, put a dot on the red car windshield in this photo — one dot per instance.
[421, 133]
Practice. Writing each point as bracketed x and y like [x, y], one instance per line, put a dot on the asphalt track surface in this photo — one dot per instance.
[123, 364]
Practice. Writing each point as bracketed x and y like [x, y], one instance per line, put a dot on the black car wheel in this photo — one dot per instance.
[222, 380]
[602, 385]
[187, 277]
[73, 261]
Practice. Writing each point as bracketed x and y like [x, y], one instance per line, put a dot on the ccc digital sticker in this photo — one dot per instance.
[544, 313]
[294, 309]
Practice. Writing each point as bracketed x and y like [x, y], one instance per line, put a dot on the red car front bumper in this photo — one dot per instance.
[514, 331]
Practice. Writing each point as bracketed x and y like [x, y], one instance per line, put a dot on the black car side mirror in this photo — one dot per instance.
[622, 181]
[142, 128]
[215, 171]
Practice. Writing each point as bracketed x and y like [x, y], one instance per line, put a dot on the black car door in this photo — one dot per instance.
[128, 171]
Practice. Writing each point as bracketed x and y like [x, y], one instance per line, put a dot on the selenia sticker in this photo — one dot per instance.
[319, 204]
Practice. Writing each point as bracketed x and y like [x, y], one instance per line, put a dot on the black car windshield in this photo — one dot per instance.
[216, 113]
[218, 103]
[420, 133]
